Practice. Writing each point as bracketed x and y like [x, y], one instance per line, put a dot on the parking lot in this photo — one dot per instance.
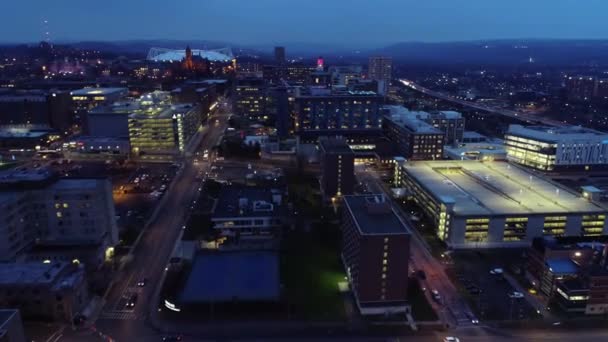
[480, 277]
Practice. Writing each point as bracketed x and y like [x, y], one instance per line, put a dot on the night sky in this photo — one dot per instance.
[362, 23]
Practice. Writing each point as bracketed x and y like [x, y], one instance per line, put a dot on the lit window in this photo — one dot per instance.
[59, 214]
[384, 262]
[385, 240]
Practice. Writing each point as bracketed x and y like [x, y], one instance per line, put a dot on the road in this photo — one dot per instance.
[452, 309]
[118, 321]
[528, 118]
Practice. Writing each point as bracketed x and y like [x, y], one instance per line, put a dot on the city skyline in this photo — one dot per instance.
[270, 22]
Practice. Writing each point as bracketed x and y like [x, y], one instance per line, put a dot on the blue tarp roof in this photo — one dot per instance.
[228, 276]
[562, 266]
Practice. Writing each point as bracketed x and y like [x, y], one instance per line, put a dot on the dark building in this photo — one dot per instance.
[278, 107]
[323, 109]
[581, 87]
[35, 108]
[375, 253]
[293, 73]
[250, 99]
[279, 55]
[337, 168]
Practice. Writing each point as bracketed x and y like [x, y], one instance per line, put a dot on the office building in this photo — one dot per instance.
[163, 130]
[245, 214]
[49, 291]
[250, 98]
[343, 75]
[279, 55]
[483, 151]
[581, 87]
[415, 139]
[86, 99]
[337, 168]
[36, 109]
[380, 69]
[40, 209]
[323, 109]
[375, 253]
[11, 326]
[557, 148]
[496, 204]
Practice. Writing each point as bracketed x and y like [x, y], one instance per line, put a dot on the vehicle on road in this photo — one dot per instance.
[172, 338]
[451, 339]
[496, 271]
[516, 294]
[436, 296]
[142, 282]
[472, 317]
[421, 274]
[132, 300]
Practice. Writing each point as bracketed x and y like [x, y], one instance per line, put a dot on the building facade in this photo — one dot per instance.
[557, 148]
[321, 109]
[375, 253]
[380, 68]
[337, 168]
[414, 138]
[495, 204]
[250, 98]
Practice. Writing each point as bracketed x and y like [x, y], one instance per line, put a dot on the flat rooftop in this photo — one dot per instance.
[375, 220]
[77, 184]
[496, 188]
[228, 276]
[98, 91]
[30, 273]
[335, 146]
[249, 201]
[557, 134]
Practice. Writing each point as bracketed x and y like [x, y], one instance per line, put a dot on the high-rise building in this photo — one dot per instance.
[380, 68]
[337, 168]
[38, 208]
[250, 98]
[323, 109]
[279, 55]
[375, 253]
[557, 148]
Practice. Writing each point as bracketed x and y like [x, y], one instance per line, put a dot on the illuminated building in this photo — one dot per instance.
[342, 75]
[496, 204]
[337, 168]
[581, 87]
[323, 109]
[35, 109]
[250, 98]
[86, 99]
[380, 69]
[375, 253]
[320, 63]
[414, 138]
[163, 129]
[557, 148]
[42, 210]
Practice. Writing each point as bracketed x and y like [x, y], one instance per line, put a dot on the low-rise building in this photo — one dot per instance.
[557, 148]
[245, 214]
[41, 209]
[375, 253]
[55, 291]
[414, 138]
[496, 204]
[88, 98]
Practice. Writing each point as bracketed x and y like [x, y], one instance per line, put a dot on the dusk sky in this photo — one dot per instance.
[347, 22]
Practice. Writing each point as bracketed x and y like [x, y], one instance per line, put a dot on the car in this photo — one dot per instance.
[132, 300]
[496, 271]
[421, 274]
[436, 296]
[516, 294]
[142, 282]
[472, 317]
[451, 339]
[172, 338]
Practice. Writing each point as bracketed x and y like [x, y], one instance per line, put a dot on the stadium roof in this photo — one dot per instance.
[496, 188]
[169, 55]
[228, 276]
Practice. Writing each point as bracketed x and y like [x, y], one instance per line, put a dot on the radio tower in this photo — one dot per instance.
[46, 32]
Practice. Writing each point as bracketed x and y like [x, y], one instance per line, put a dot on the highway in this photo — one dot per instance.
[524, 117]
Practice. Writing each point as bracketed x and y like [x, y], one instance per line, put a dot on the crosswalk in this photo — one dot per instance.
[118, 315]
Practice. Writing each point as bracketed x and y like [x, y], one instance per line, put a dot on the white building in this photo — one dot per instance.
[557, 148]
[38, 208]
[495, 204]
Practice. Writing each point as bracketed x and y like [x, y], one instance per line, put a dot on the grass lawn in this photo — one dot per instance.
[310, 272]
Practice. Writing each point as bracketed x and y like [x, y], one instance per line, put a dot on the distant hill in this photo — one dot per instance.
[497, 52]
